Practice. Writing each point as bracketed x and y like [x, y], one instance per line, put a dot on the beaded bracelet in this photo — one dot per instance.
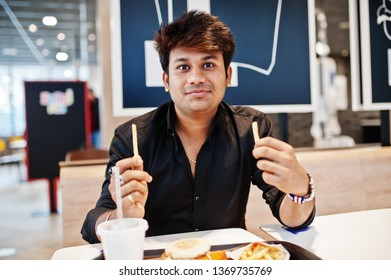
[308, 197]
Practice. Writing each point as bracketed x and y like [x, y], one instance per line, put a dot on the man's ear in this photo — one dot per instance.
[229, 75]
[165, 81]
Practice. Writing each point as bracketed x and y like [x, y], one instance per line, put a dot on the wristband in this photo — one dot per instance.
[308, 197]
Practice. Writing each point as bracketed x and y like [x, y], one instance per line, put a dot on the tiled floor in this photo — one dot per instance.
[27, 229]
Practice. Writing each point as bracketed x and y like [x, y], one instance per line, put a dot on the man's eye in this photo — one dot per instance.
[183, 67]
[208, 65]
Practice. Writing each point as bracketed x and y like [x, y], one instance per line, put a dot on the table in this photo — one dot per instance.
[215, 237]
[361, 235]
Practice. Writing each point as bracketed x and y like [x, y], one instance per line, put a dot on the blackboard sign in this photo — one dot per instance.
[57, 114]
[374, 60]
[273, 67]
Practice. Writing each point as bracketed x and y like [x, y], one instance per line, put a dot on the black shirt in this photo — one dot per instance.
[216, 197]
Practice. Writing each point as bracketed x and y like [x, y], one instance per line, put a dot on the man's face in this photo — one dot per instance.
[197, 80]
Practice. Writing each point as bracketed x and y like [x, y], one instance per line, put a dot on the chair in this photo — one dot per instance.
[81, 185]
[88, 154]
[81, 177]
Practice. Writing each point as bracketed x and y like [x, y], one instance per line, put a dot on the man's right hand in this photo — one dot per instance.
[134, 190]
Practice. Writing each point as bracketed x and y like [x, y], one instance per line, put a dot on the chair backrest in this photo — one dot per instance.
[87, 154]
[81, 185]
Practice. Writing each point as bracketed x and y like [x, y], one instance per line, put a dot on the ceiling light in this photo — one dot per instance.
[49, 20]
[92, 37]
[91, 48]
[40, 42]
[9, 51]
[61, 36]
[33, 28]
[45, 52]
[68, 73]
[62, 56]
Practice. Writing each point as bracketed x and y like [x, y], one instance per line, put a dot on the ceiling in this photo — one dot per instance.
[76, 20]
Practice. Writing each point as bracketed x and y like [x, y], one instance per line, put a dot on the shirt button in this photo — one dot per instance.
[196, 229]
[197, 198]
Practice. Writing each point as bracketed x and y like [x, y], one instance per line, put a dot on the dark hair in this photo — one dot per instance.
[195, 29]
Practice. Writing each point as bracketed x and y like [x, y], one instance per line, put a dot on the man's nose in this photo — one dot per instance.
[196, 76]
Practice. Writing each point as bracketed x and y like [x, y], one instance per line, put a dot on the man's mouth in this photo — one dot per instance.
[197, 91]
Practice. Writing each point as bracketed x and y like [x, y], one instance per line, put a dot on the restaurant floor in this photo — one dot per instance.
[28, 231]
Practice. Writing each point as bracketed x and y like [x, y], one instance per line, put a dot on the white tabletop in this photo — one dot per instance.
[363, 235]
[215, 237]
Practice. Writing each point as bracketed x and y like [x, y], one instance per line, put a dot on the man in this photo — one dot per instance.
[197, 154]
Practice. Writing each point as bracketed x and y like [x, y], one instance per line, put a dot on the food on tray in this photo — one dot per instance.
[192, 249]
[187, 249]
[200, 249]
[217, 255]
[261, 251]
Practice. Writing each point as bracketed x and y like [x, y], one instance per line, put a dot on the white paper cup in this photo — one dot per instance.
[123, 239]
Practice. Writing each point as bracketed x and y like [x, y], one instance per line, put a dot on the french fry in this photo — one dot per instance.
[134, 137]
[255, 131]
[259, 251]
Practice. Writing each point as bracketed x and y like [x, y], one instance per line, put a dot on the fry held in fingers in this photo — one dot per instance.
[255, 131]
[134, 137]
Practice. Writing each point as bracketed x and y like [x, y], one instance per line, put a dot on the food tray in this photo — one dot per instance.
[296, 252]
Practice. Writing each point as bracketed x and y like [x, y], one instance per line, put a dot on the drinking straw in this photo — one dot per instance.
[118, 196]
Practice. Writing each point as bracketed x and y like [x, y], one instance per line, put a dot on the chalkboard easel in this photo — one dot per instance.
[57, 118]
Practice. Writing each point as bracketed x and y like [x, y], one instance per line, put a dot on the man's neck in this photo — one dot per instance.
[193, 131]
[194, 126]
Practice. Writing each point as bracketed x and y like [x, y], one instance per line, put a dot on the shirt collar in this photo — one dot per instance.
[171, 117]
